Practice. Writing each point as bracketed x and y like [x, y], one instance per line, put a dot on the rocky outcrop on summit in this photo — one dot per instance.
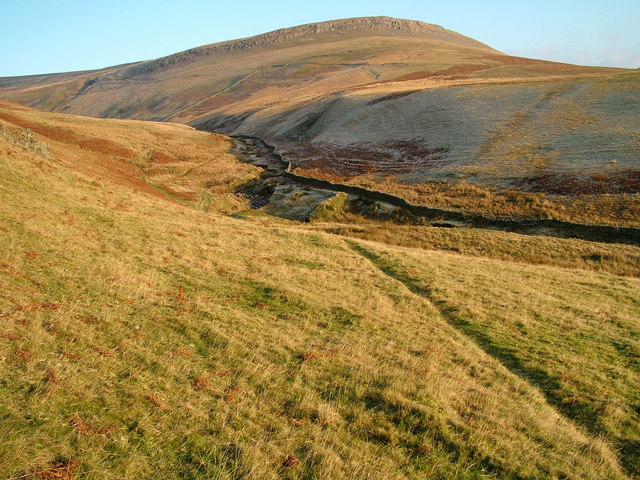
[367, 25]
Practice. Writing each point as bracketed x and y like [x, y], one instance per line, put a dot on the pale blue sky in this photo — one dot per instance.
[54, 36]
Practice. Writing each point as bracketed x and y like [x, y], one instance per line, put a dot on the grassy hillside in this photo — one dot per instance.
[144, 338]
[282, 70]
[165, 160]
[564, 149]
[404, 106]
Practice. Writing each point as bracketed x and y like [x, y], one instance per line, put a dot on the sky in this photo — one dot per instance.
[48, 36]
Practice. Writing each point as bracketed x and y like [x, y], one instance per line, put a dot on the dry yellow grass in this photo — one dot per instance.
[603, 209]
[538, 250]
[168, 160]
[159, 341]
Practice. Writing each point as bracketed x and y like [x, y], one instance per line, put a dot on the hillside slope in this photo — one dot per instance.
[144, 338]
[293, 63]
[410, 107]
[171, 161]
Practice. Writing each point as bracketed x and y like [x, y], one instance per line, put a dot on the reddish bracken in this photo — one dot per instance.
[183, 352]
[423, 450]
[102, 351]
[86, 428]
[88, 319]
[56, 471]
[156, 401]
[389, 158]
[34, 307]
[623, 181]
[52, 376]
[102, 145]
[290, 461]
[162, 158]
[23, 355]
[231, 393]
[200, 383]
[54, 133]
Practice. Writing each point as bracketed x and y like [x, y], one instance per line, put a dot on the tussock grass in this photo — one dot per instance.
[606, 209]
[612, 258]
[159, 341]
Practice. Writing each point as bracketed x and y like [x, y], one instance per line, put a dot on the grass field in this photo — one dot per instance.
[142, 337]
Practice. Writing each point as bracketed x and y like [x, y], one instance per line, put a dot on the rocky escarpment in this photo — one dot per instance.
[386, 25]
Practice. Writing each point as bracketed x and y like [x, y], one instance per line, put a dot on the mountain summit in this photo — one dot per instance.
[401, 100]
[358, 24]
[281, 67]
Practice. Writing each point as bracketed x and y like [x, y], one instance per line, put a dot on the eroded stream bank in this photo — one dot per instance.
[282, 192]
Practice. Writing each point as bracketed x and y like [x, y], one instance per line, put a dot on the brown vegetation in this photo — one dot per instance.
[609, 209]
[313, 350]
[567, 253]
[107, 147]
[162, 158]
[622, 181]
[53, 376]
[231, 393]
[175, 163]
[511, 60]
[290, 461]
[52, 133]
[200, 383]
[155, 401]
[456, 70]
[61, 470]
[388, 158]
[86, 428]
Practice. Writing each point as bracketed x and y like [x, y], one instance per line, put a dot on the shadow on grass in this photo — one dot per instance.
[583, 413]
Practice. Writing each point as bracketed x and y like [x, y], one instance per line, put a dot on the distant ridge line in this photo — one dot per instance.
[385, 24]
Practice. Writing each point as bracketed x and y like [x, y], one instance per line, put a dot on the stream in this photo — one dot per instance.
[266, 156]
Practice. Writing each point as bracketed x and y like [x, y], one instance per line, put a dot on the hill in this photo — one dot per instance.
[143, 337]
[407, 107]
[168, 161]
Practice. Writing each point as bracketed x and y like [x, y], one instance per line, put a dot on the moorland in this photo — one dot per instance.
[173, 305]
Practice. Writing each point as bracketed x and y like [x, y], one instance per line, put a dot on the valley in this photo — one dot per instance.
[366, 248]
[399, 106]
